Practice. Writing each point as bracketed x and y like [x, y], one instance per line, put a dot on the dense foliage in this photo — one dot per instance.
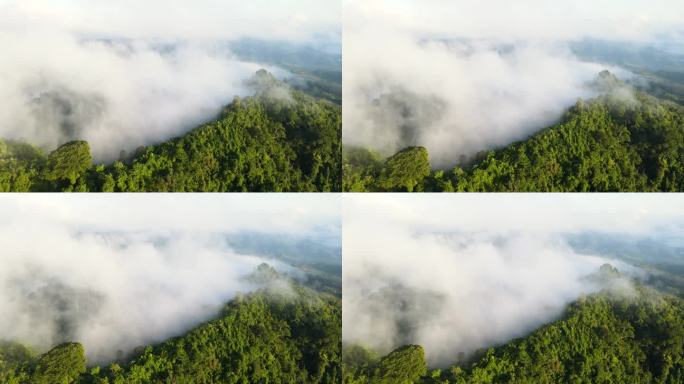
[606, 144]
[61, 365]
[277, 140]
[602, 338]
[15, 361]
[272, 336]
[405, 365]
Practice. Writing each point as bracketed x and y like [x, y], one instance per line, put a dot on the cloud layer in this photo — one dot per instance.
[460, 273]
[115, 283]
[463, 77]
[125, 74]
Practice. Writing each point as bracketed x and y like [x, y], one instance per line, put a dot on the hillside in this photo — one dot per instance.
[601, 338]
[267, 142]
[609, 143]
[271, 336]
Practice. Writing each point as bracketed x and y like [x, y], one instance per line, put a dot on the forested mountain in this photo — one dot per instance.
[601, 338]
[278, 140]
[274, 335]
[610, 143]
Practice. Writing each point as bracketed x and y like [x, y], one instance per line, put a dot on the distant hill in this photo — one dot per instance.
[659, 69]
[319, 256]
[317, 69]
[661, 257]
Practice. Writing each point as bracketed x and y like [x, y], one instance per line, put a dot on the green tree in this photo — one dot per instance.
[607, 337]
[68, 162]
[61, 365]
[405, 170]
[404, 365]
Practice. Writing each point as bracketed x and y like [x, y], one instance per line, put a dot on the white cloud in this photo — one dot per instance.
[535, 213]
[282, 212]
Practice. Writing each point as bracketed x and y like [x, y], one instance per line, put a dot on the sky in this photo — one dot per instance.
[281, 212]
[457, 273]
[293, 20]
[460, 77]
[535, 212]
[115, 272]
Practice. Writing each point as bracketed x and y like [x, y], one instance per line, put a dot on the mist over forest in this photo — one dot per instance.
[105, 282]
[460, 276]
[459, 79]
[122, 76]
